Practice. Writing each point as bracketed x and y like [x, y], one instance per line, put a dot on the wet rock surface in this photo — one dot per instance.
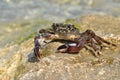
[57, 66]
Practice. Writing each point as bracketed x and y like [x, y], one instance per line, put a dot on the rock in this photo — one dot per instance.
[82, 66]
[58, 66]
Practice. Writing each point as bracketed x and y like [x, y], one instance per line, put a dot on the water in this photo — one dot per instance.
[55, 10]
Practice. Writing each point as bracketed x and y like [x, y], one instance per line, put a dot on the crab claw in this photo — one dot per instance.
[69, 48]
[37, 51]
[37, 48]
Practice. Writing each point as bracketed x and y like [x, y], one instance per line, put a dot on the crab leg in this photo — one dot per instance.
[100, 40]
[97, 38]
[95, 48]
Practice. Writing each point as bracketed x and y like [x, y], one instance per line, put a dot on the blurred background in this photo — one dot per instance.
[55, 10]
[21, 18]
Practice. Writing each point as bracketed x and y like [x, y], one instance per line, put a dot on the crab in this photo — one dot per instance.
[73, 40]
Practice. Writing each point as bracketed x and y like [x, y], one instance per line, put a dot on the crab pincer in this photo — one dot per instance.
[37, 48]
[69, 48]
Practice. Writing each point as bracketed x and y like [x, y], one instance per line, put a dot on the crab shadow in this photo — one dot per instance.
[32, 58]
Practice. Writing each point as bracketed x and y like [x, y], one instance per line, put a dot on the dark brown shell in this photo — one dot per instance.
[65, 31]
[64, 28]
